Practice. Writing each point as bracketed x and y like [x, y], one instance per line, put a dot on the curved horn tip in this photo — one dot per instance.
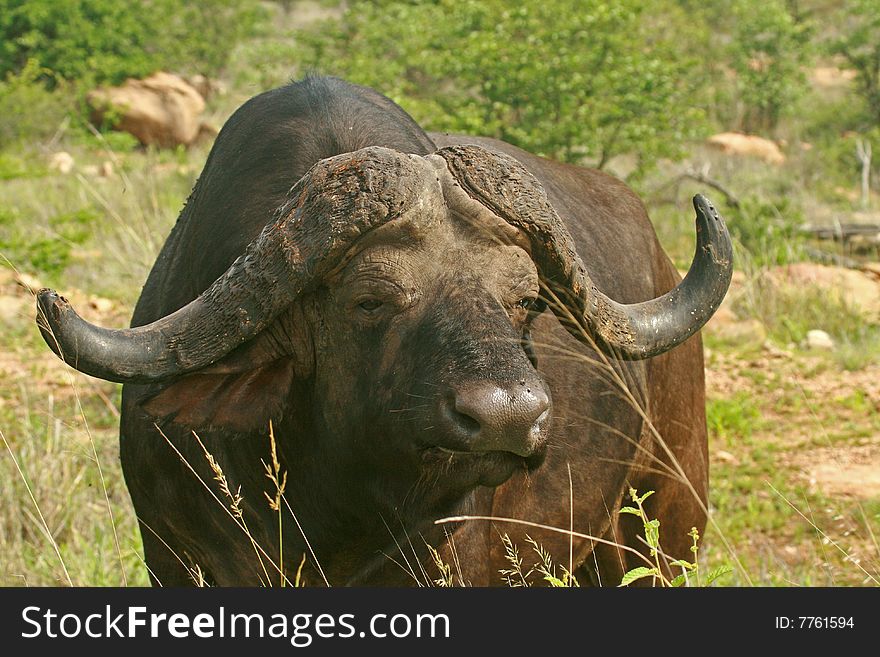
[715, 233]
[47, 298]
[50, 305]
[705, 209]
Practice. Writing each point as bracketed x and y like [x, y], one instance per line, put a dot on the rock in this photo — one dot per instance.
[161, 110]
[207, 133]
[817, 339]
[62, 161]
[858, 289]
[201, 84]
[726, 457]
[207, 87]
[737, 143]
[831, 76]
[775, 352]
[103, 170]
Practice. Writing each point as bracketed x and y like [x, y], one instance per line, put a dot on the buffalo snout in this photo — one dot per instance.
[484, 416]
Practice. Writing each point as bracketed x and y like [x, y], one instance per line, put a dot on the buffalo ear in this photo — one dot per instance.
[251, 385]
[241, 401]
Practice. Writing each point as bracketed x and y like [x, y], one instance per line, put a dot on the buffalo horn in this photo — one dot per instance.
[338, 200]
[628, 331]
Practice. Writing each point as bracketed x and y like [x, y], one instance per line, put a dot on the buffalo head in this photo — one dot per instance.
[395, 293]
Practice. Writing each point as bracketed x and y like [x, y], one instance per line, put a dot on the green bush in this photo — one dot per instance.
[769, 230]
[14, 165]
[47, 250]
[574, 80]
[768, 50]
[28, 110]
[859, 44]
[105, 41]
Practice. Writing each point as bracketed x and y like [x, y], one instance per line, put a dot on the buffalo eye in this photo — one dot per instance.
[370, 305]
[532, 305]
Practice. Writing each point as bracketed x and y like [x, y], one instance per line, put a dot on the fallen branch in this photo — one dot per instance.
[702, 178]
[832, 259]
[841, 232]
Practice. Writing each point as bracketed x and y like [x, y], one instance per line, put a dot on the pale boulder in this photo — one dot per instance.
[826, 77]
[859, 290]
[818, 340]
[161, 110]
[62, 161]
[737, 143]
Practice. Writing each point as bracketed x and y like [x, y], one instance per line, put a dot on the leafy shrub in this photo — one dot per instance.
[859, 44]
[13, 165]
[768, 230]
[27, 109]
[563, 78]
[768, 49]
[46, 252]
[105, 41]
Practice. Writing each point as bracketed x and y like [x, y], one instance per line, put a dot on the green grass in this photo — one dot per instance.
[732, 418]
[60, 497]
[59, 471]
[785, 530]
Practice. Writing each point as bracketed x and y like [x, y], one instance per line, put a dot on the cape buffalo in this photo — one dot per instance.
[435, 326]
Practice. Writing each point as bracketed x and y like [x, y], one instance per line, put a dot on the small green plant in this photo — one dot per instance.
[690, 570]
[14, 165]
[732, 417]
[49, 253]
[769, 229]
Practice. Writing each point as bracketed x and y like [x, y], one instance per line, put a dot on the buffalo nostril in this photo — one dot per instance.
[469, 424]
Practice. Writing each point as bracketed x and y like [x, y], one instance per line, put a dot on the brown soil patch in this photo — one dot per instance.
[850, 470]
[842, 470]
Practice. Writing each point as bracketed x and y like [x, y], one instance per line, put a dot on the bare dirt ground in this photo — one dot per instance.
[801, 412]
